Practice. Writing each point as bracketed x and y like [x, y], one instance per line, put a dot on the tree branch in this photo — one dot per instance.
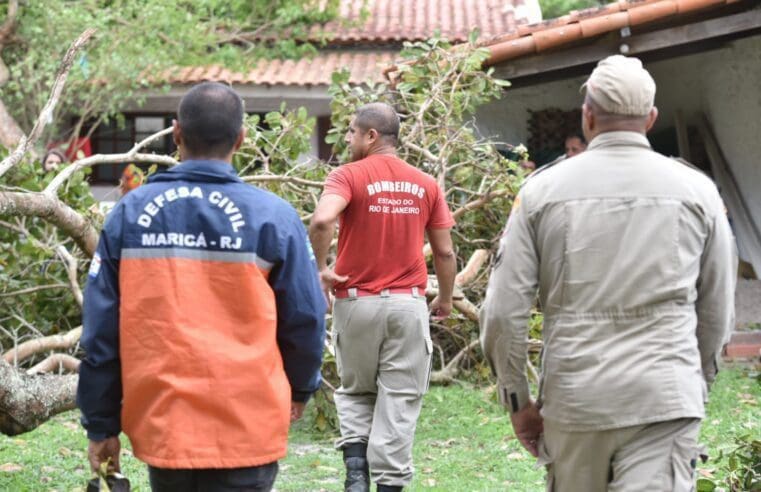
[47, 111]
[10, 132]
[9, 24]
[450, 371]
[51, 209]
[28, 401]
[476, 261]
[53, 342]
[480, 202]
[131, 156]
[71, 272]
[33, 289]
[269, 178]
[56, 362]
[467, 308]
[426, 153]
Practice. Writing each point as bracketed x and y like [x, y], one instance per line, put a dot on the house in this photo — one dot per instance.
[364, 44]
[705, 57]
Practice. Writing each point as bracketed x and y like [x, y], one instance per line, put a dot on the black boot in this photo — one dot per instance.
[357, 470]
[389, 488]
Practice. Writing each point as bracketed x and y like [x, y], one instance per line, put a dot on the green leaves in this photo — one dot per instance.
[742, 470]
[28, 260]
[137, 41]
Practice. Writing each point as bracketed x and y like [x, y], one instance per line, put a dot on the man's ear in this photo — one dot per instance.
[241, 138]
[651, 118]
[373, 135]
[176, 133]
[587, 118]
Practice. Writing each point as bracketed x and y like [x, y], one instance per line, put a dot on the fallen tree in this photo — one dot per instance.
[53, 219]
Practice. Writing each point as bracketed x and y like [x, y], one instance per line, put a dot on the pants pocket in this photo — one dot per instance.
[337, 353]
[429, 357]
[684, 461]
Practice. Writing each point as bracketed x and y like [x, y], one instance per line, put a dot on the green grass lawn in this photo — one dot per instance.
[464, 442]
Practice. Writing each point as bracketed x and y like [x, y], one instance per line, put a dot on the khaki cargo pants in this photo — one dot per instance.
[383, 352]
[659, 457]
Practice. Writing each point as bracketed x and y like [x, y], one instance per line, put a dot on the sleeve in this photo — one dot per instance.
[338, 183]
[300, 309]
[506, 309]
[441, 217]
[715, 305]
[99, 392]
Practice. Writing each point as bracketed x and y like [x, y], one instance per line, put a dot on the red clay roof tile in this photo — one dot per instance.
[364, 66]
[415, 20]
[589, 23]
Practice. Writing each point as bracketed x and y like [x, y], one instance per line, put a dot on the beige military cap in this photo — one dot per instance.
[620, 85]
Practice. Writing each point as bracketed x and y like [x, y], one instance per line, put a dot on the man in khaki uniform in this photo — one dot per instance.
[635, 265]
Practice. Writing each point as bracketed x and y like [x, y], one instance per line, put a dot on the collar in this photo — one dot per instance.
[612, 139]
[199, 170]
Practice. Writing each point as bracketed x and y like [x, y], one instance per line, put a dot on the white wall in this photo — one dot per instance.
[724, 84]
[732, 99]
[507, 118]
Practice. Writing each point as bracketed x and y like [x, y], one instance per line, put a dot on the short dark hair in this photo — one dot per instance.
[210, 118]
[380, 117]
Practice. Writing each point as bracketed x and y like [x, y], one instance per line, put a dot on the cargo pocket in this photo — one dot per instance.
[684, 461]
[544, 459]
[337, 353]
[429, 357]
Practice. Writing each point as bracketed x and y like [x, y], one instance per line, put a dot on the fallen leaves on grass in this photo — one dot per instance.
[71, 425]
[747, 399]
[444, 444]
[10, 467]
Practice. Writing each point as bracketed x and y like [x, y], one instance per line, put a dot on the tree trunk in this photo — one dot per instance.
[28, 401]
[10, 132]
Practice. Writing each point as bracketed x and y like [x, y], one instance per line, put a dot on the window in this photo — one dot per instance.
[112, 138]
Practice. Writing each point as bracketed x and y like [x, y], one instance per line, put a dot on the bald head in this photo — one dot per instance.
[380, 117]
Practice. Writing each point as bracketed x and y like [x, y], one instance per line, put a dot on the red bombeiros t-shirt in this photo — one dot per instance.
[382, 229]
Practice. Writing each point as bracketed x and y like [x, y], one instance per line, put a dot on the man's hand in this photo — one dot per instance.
[297, 410]
[528, 425]
[327, 279]
[101, 451]
[440, 310]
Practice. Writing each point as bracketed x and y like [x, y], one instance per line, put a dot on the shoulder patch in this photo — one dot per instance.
[94, 266]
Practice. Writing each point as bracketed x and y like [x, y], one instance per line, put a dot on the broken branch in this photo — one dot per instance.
[47, 111]
[71, 272]
[52, 342]
[56, 363]
[476, 261]
[131, 156]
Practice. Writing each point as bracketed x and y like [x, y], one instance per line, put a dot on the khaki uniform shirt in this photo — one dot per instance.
[635, 265]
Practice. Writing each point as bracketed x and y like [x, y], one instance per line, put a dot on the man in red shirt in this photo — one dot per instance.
[380, 318]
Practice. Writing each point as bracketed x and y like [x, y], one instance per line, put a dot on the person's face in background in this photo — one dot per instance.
[574, 146]
[529, 166]
[52, 162]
